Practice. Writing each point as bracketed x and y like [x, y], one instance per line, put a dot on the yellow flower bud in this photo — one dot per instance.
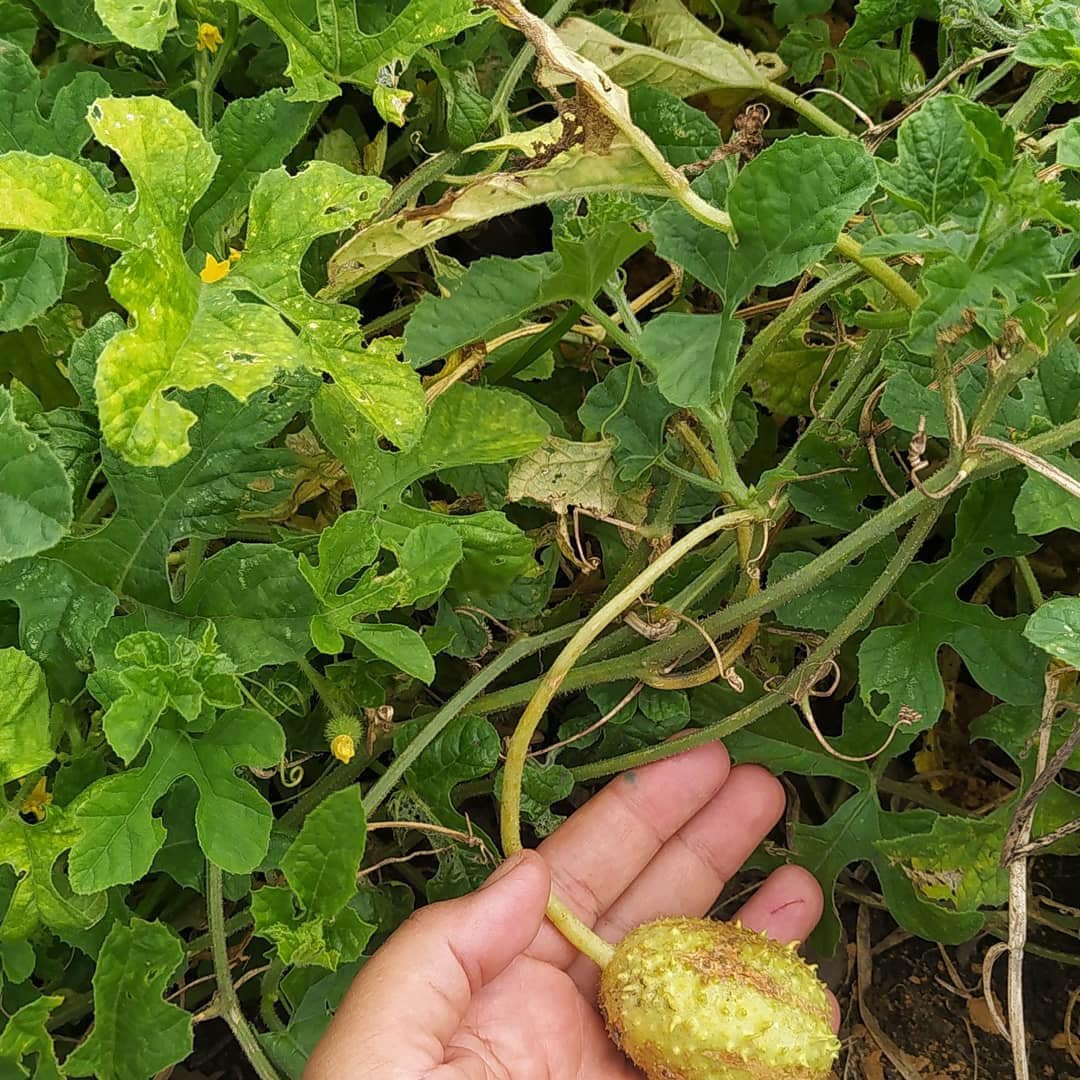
[343, 747]
[34, 804]
[214, 271]
[208, 38]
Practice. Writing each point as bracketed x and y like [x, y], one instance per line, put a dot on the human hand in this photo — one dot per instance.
[483, 987]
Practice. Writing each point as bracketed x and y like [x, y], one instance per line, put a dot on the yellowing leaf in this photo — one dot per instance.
[686, 57]
[562, 474]
[183, 335]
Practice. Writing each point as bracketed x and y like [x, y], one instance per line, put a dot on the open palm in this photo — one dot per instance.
[483, 987]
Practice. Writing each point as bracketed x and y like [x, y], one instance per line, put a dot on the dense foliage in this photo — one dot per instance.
[353, 353]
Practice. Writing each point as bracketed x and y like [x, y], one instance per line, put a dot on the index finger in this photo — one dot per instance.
[602, 848]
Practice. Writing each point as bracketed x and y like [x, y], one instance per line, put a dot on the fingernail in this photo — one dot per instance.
[506, 867]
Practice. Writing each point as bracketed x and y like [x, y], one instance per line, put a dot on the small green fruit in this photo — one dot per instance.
[694, 999]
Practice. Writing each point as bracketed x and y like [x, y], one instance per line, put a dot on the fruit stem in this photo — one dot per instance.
[578, 934]
[518, 748]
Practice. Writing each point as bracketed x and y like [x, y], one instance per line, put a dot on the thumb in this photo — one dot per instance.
[429, 970]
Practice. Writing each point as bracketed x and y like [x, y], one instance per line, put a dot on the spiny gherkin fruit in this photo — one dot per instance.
[695, 999]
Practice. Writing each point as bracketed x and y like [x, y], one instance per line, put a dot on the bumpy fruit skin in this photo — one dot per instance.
[694, 999]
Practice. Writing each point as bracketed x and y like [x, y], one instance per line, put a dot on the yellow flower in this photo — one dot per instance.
[343, 747]
[34, 804]
[214, 271]
[208, 38]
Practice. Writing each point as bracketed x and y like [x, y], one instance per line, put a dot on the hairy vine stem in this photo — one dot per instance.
[518, 748]
[805, 674]
[228, 1003]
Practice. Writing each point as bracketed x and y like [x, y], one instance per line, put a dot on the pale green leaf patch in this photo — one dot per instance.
[35, 492]
[184, 334]
[1055, 628]
[26, 742]
[142, 23]
[39, 899]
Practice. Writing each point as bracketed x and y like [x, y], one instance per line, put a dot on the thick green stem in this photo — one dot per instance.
[880, 271]
[229, 1004]
[518, 747]
[270, 994]
[209, 72]
[718, 425]
[766, 341]
[800, 680]
[804, 108]
[1043, 86]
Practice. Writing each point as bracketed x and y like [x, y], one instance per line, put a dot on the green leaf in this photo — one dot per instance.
[257, 600]
[1055, 43]
[898, 664]
[1055, 628]
[541, 785]
[228, 474]
[303, 941]
[35, 492]
[877, 19]
[852, 834]
[680, 238]
[785, 382]
[26, 742]
[1014, 269]
[683, 134]
[635, 417]
[783, 226]
[120, 834]
[185, 333]
[137, 964]
[466, 749]
[686, 57]
[60, 613]
[938, 163]
[1042, 506]
[24, 1034]
[400, 646]
[65, 131]
[692, 356]
[322, 862]
[32, 852]
[78, 18]
[153, 675]
[32, 272]
[496, 292]
[339, 51]
[18, 24]
[348, 548]
[143, 25]
[467, 425]
[780, 741]
[252, 137]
